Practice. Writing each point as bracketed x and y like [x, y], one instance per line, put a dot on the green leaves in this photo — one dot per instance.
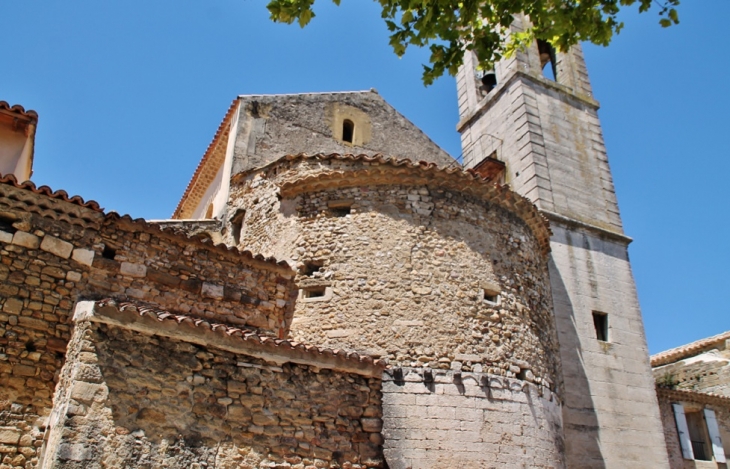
[448, 27]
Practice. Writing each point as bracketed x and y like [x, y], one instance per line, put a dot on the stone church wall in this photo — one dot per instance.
[54, 251]
[404, 274]
[129, 399]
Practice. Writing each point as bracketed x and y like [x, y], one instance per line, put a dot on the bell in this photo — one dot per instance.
[489, 81]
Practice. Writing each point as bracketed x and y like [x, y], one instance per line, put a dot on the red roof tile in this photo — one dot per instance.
[247, 335]
[18, 109]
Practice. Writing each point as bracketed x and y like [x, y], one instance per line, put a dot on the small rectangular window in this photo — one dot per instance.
[314, 292]
[600, 322]
[491, 296]
[340, 208]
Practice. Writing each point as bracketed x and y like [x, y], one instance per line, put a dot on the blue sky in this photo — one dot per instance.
[130, 95]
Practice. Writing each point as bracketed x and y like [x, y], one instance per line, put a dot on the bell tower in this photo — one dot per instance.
[535, 119]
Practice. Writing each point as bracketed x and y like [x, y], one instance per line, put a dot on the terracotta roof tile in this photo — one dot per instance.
[114, 216]
[18, 109]
[245, 334]
[10, 180]
[687, 350]
[220, 134]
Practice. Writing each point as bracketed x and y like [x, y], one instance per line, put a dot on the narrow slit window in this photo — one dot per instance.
[600, 322]
[547, 60]
[348, 131]
[237, 226]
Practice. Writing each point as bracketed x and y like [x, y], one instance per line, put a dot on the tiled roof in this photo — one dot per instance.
[47, 191]
[114, 216]
[465, 181]
[18, 109]
[207, 168]
[688, 350]
[248, 336]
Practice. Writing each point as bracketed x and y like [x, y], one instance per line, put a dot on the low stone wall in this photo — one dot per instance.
[55, 251]
[129, 399]
[447, 420]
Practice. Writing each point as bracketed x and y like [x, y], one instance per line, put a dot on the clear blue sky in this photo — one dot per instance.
[130, 94]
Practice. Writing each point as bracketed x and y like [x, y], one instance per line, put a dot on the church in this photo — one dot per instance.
[334, 290]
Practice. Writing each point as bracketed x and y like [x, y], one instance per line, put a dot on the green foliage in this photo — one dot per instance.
[447, 27]
[668, 380]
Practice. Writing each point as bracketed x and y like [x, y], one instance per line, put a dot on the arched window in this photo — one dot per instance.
[348, 130]
[237, 226]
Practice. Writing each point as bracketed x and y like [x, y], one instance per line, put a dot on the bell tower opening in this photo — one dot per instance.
[547, 60]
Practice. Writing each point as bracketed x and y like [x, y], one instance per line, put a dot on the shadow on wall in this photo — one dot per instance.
[580, 422]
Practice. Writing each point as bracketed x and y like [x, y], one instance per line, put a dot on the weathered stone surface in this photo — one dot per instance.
[133, 270]
[9, 435]
[27, 240]
[148, 386]
[57, 247]
[406, 285]
[83, 256]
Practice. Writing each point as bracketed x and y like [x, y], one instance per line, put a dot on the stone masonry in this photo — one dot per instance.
[548, 135]
[131, 399]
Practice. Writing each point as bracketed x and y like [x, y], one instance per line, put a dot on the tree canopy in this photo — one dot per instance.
[449, 27]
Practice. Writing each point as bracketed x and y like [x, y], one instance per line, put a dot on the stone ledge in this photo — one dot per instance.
[239, 341]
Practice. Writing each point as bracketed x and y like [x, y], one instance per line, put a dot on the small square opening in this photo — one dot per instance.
[600, 322]
[490, 296]
[109, 253]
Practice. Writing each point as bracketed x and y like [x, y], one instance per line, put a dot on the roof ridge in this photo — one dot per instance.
[316, 93]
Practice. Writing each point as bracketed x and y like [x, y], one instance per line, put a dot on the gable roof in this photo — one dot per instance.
[214, 156]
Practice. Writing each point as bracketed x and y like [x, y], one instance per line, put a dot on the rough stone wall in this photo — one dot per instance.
[276, 125]
[133, 400]
[52, 253]
[469, 420]
[708, 371]
[405, 271]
